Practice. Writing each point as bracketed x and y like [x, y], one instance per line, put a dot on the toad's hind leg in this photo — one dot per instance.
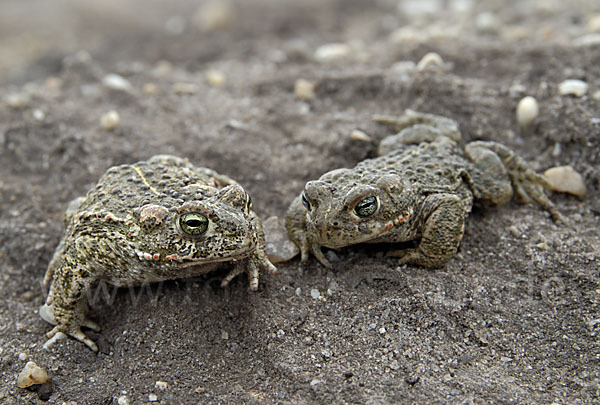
[498, 172]
[442, 231]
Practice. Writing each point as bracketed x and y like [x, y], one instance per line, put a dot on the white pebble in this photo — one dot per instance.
[593, 23]
[39, 115]
[123, 400]
[152, 398]
[214, 15]
[573, 88]
[304, 89]
[185, 88]
[329, 52]
[358, 135]
[596, 95]
[17, 100]
[431, 59]
[161, 385]
[116, 82]
[587, 40]
[565, 180]
[32, 374]
[527, 111]
[405, 35]
[419, 8]
[517, 90]
[382, 331]
[22, 356]
[315, 293]
[110, 120]
[487, 22]
[215, 78]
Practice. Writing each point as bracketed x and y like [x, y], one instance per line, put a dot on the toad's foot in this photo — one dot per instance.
[47, 314]
[526, 184]
[74, 332]
[252, 267]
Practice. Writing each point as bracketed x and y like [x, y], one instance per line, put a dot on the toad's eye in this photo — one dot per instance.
[366, 207]
[193, 223]
[305, 202]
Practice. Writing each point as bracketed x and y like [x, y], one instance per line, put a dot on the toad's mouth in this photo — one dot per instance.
[374, 234]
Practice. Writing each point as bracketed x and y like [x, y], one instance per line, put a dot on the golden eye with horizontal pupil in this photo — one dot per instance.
[305, 202]
[193, 223]
[367, 207]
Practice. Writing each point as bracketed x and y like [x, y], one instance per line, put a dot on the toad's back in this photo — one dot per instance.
[165, 179]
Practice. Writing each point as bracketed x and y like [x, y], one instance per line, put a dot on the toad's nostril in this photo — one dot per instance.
[336, 224]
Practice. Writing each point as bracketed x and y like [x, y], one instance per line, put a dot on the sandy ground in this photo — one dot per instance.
[513, 318]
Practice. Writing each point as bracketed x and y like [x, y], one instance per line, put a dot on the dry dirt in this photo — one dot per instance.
[513, 318]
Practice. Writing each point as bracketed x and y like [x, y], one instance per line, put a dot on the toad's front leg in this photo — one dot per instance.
[442, 231]
[66, 304]
[295, 223]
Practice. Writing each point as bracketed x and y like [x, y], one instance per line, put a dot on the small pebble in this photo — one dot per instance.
[161, 385]
[224, 335]
[200, 390]
[315, 293]
[593, 23]
[587, 40]
[565, 180]
[185, 88]
[419, 8]
[279, 247]
[358, 135]
[304, 89]
[53, 83]
[116, 82]
[22, 356]
[573, 88]
[21, 327]
[431, 59]
[382, 331]
[596, 95]
[517, 90]
[214, 15]
[17, 100]
[163, 68]
[527, 111]
[123, 400]
[150, 88]
[110, 120]
[32, 374]
[215, 78]
[405, 35]
[152, 398]
[39, 115]
[487, 22]
[330, 52]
